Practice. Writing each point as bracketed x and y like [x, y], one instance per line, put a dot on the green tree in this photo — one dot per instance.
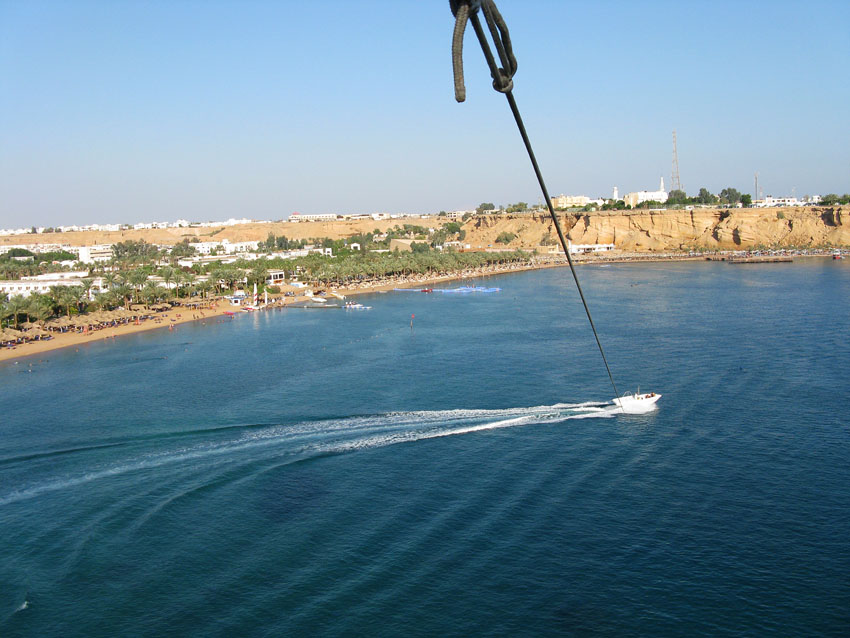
[168, 275]
[258, 275]
[15, 307]
[705, 197]
[677, 197]
[746, 199]
[730, 196]
[23, 252]
[831, 199]
[184, 277]
[182, 249]
[485, 206]
[131, 251]
[110, 279]
[137, 279]
[87, 282]
[204, 288]
[39, 307]
[152, 292]
[505, 238]
[124, 293]
[66, 297]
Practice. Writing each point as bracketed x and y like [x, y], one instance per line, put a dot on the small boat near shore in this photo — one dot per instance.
[637, 403]
[352, 305]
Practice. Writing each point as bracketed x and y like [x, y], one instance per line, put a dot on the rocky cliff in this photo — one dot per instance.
[704, 229]
[639, 231]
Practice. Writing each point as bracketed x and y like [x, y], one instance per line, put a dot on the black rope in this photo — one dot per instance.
[503, 82]
[467, 10]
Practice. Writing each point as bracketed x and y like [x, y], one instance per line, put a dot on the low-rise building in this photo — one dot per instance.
[634, 199]
[92, 254]
[586, 249]
[305, 217]
[570, 201]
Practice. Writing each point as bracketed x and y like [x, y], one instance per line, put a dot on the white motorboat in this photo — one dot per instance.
[637, 403]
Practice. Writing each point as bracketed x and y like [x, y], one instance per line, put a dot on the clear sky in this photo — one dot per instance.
[124, 111]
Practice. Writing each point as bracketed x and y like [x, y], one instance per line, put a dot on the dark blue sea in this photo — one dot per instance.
[337, 473]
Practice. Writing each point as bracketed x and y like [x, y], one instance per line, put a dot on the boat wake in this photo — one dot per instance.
[257, 443]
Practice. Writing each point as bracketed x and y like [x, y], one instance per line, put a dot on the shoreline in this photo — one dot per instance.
[180, 315]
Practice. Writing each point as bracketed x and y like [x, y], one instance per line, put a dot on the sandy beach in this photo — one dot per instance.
[172, 319]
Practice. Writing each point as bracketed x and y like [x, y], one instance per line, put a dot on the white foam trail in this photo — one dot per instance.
[308, 439]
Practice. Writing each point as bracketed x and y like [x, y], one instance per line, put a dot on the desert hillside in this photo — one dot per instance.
[639, 231]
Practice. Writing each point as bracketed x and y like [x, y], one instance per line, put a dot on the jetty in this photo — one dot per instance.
[758, 260]
[751, 259]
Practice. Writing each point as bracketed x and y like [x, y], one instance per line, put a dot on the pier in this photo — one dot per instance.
[752, 259]
[758, 260]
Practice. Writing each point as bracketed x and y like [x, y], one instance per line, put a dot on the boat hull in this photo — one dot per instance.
[637, 403]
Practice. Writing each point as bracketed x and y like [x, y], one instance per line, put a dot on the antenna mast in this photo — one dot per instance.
[675, 183]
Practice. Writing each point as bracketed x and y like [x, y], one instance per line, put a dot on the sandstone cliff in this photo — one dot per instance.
[639, 231]
[704, 229]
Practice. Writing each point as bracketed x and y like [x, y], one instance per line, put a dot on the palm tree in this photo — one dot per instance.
[204, 287]
[88, 282]
[124, 292]
[39, 307]
[187, 278]
[168, 275]
[258, 274]
[16, 305]
[137, 278]
[152, 292]
[110, 279]
[66, 296]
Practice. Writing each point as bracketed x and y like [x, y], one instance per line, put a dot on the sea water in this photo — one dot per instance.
[443, 465]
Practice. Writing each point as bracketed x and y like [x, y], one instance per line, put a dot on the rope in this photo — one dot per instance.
[467, 10]
[464, 10]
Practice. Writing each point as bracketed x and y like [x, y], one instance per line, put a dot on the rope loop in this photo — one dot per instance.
[467, 10]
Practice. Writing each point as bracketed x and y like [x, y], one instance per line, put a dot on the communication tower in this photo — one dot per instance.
[675, 182]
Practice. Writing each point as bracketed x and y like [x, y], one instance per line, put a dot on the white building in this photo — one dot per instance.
[775, 202]
[43, 283]
[570, 201]
[324, 217]
[458, 214]
[92, 254]
[634, 199]
[584, 249]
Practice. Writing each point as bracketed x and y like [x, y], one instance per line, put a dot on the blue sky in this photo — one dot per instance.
[158, 110]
